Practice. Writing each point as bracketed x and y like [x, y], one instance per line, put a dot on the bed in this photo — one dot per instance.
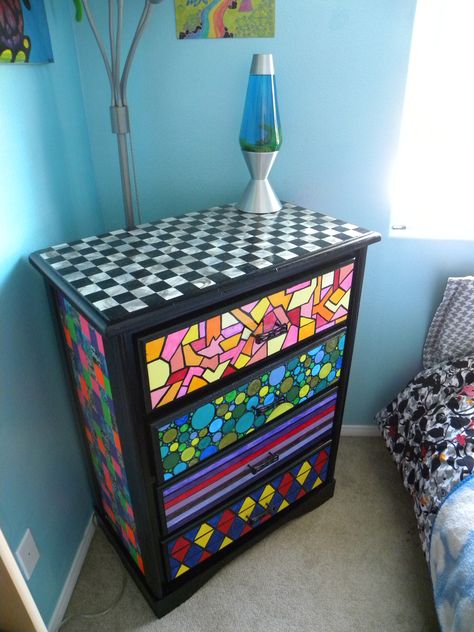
[429, 430]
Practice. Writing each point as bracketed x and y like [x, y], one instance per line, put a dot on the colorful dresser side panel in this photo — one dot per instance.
[89, 367]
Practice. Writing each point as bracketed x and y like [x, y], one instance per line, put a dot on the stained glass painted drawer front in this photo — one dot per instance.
[214, 424]
[202, 353]
[197, 493]
[208, 537]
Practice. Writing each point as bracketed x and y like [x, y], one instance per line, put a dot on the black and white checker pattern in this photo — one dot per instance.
[122, 272]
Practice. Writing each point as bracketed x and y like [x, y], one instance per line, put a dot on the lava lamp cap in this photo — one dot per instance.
[262, 64]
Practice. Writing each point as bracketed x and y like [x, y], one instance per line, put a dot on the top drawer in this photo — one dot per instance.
[203, 352]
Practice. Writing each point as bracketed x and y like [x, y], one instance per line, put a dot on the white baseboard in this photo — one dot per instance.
[369, 430]
[71, 579]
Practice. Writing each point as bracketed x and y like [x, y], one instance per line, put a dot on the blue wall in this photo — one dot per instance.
[341, 74]
[47, 196]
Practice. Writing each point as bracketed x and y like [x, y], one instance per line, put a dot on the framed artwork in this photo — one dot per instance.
[24, 33]
[204, 19]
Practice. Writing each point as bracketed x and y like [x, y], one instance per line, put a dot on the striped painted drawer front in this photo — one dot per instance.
[225, 527]
[200, 433]
[199, 492]
[198, 355]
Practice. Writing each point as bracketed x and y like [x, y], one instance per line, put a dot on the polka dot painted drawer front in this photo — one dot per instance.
[208, 537]
[200, 354]
[197, 493]
[185, 441]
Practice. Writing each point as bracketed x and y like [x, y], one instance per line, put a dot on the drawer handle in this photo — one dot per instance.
[269, 460]
[254, 520]
[278, 330]
[262, 408]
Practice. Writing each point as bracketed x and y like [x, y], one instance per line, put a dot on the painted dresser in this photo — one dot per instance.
[209, 356]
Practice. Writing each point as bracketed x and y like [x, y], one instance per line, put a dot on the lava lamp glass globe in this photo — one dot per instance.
[260, 136]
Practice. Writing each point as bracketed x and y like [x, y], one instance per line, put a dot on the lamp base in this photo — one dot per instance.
[259, 197]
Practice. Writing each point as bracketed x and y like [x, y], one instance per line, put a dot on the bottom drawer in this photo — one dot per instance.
[206, 538]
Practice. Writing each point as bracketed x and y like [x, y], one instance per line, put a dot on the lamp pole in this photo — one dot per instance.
[118, 80]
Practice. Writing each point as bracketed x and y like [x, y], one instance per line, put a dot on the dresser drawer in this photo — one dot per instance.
[197, 493]
[192, 357]
[207, 537]
[211, 425]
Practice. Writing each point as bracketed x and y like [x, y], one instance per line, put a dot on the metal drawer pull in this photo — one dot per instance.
[269, 460]
[254, 520]
[262, 408]
[278, 330]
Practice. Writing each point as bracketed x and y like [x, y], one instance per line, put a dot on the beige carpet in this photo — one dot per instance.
[354, 564]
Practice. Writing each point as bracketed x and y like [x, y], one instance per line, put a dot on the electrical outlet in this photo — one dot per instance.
[27, 554]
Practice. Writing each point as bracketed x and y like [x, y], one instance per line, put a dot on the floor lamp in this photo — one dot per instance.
[118, 79]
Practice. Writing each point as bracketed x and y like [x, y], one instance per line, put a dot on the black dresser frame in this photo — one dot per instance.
[133, 419]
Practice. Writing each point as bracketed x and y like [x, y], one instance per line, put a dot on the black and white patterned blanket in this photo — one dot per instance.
[429, 430]
[451, 333]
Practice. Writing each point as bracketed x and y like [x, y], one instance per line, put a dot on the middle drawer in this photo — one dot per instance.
[199, 491]
[186, 440]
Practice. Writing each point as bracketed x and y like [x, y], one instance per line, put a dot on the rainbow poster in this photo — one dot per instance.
[204, 19]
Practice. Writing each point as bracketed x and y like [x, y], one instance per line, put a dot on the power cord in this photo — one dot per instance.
[134, 173]
[100, 613]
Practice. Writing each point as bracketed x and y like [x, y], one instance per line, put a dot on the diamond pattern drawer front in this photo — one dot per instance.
[225, 527]
[202, 432]
[196, 494]
[198, 355]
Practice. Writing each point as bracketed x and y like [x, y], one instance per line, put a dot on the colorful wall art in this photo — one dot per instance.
[205, 352]
[24, 34]
[89, 367]
[204, 19]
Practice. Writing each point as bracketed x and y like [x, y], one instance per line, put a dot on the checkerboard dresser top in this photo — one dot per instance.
[125, 271]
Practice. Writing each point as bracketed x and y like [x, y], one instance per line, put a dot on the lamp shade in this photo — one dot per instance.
[261, 129]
